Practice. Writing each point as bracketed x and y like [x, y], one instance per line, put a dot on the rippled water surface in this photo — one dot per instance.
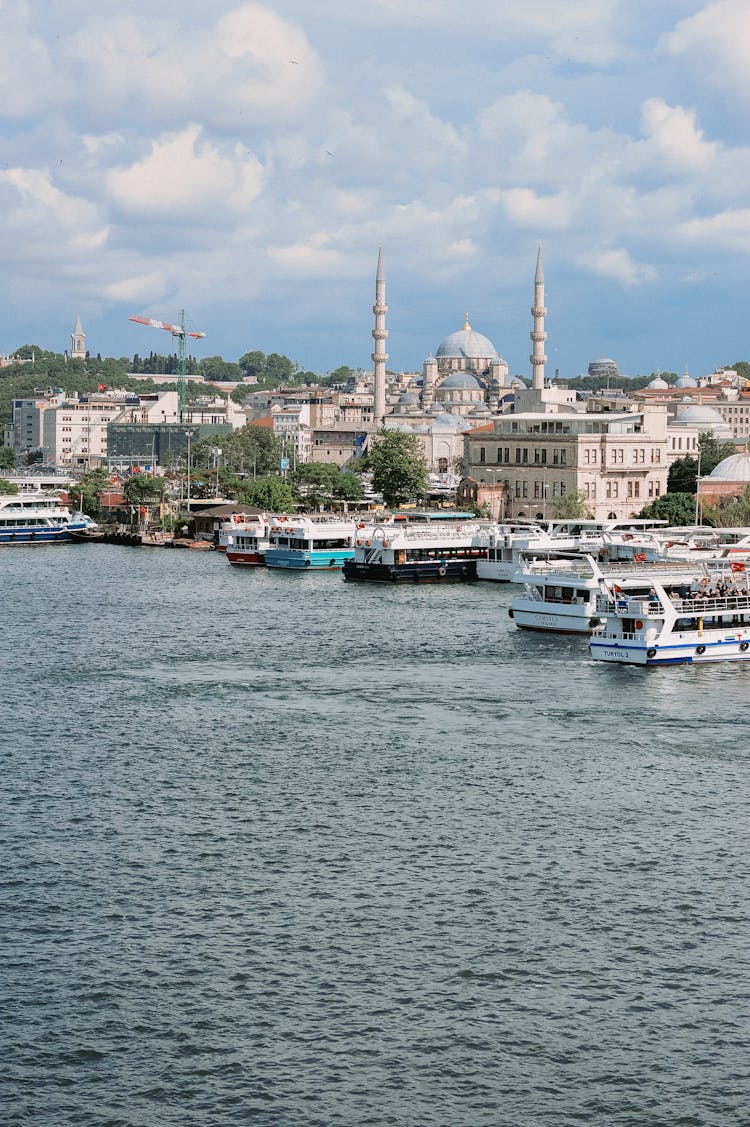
[281, 850]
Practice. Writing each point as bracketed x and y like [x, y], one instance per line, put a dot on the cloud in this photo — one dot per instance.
[729, 229]
[528, 209]
[183, 174]
[46, 223]
[675, 137]
[717, 39]
[617, 263]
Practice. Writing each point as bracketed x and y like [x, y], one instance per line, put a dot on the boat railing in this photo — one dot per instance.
[693, 606]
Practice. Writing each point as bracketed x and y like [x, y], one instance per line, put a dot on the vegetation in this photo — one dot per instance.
[570, 506]
[319, 483]
[7, 458]
[86, 493]
[731, 513]
[269, 492]
[7, 487]
[144, 489]
[677, 508]
[399, 468]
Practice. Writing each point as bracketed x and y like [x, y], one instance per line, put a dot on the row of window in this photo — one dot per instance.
[520, 456]
[541, 489]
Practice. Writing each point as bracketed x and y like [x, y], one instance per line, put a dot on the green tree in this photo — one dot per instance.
[143, 489]
[399, 468]
[7, 458]
[730, 513]
[677, 508]
[253, 364]
[570, 506]
[682, 475]
[318, 483]
[214, 368]
[269, 492]
[8, 488]
[86, 493]
[251, 449]
[713, 451]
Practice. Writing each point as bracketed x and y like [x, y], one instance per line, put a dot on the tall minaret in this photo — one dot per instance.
[78, 341]
[379, 356]
[538, 335]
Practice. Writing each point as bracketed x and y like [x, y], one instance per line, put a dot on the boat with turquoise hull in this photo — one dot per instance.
[40, 518]
[310, 543]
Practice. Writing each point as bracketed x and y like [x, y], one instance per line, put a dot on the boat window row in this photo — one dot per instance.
[27, 522]
[555, 594]
[446, 553]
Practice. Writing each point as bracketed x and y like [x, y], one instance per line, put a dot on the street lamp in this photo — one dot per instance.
[697, 484]
[188, 435]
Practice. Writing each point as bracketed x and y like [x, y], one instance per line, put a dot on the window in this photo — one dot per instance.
[525, 486]
[482, 454]
[555, 457]
[499, 453]
[525, 454]
[544, 457]
[537, 490]
[555, 490]
[518, 454]
[562, 456]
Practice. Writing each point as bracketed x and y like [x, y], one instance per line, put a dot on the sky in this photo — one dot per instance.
[244, 162]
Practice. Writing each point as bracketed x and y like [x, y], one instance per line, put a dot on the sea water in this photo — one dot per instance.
[282, 850]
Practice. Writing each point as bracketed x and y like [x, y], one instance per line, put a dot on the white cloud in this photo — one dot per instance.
[717, 38]
[618, 263]
[528, 209]
[729, 229]
[673, 133]
[46, 221]
[183, 174]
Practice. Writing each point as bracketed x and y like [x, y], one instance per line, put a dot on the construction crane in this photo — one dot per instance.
[181, 333]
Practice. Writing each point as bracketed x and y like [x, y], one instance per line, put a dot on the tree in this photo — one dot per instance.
[713, 451]
[676, 508]
[8, 488]
[86, 493]
[730, 513]
[214, 368]
[143, 489]
[399, 468]
[7, 458]
[682, 475]
[318, 483]
[269, 492]
[571, 506]
[251, 449]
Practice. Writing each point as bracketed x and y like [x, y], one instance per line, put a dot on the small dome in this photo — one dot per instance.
[409, 397]
[657, 384]
[706, 418]
[462, 381]
[446, 422]
[686, 381]
[734, 468]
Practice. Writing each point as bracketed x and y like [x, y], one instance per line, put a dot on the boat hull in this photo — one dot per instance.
[56, 535]
[245, 559]
[327, 559]
[422, 571]
[695, 651]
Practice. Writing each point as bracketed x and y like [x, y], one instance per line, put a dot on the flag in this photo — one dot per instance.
[616, 589]
[737, 566]
[102, 387]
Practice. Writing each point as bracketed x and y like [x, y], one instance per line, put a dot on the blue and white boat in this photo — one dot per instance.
[420, 553]
[310, 543]
[39, 518]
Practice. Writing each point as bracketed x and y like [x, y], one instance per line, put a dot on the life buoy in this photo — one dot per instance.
[744, 645]
[639, 623]
[700, 649]
[510, 612]
[650, 653]
[441, 571]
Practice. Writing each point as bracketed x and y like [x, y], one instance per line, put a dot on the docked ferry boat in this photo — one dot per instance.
[416, 553]
[312, 543]
[563, 596]
[245, 539]
[705, 621]
[39, 518]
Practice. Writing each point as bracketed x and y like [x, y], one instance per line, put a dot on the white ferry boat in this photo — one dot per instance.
[39, 518]
[563, 595]
[704, 621]
[245, 539]
[415, 553]
[312, 543]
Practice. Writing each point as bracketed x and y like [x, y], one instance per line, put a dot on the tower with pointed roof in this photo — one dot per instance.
[379, 333]
[538, 335]
[78, 341]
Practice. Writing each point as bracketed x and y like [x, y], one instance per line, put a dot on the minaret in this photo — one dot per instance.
[379, 356]
[538, 335]
[78, 341]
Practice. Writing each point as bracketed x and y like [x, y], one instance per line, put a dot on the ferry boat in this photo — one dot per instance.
[245, 539]
[40, 518]
[705, 621]
[416, 553]
[563, 595]
[312, 543]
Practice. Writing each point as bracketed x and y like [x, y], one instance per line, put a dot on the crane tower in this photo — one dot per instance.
[181, 333]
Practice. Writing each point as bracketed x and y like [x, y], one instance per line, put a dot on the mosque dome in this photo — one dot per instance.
[657, 384]
[685, 381]
[462, 381]
[467, 344]
[734, 468]
[447, 422]
[706, 418]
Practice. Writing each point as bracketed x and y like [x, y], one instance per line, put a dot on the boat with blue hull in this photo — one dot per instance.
[40, 518]
[310, 543]
[704, 622]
